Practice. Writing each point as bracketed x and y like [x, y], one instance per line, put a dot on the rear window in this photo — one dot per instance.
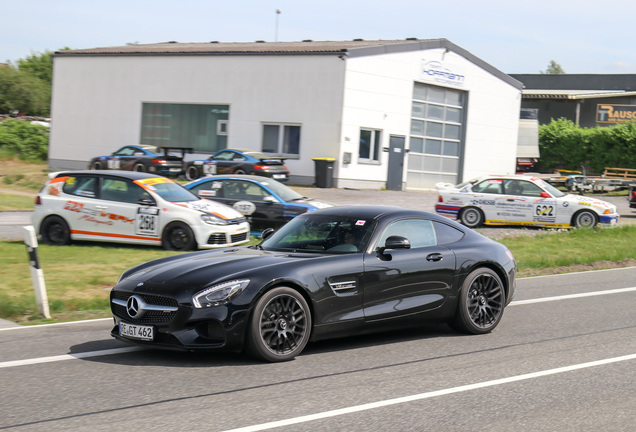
[85, 186]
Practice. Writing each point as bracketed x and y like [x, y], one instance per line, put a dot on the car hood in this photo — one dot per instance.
[311, 203]
[188, 273]
[590, 201]
[211, 207]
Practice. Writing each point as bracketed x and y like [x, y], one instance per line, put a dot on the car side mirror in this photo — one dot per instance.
[545, 195]
[269, 199]
[146, 202]
[394, 242]
[267, 232]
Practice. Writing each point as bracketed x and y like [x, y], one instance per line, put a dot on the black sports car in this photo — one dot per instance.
[167, 161]
[327, 273]
[238, 161]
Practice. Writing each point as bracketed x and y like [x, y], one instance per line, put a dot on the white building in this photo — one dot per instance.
[395, 114]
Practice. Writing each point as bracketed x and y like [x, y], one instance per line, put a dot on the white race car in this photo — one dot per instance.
[132, 207]
[520, 200]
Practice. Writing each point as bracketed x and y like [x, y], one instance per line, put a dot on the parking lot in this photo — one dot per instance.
[11, 223]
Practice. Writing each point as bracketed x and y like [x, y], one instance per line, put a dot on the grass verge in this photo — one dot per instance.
[78, 286]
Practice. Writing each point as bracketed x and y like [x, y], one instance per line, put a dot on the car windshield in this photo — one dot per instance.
[329, 234]
[285, 193]
[550, 189]
[173, 192]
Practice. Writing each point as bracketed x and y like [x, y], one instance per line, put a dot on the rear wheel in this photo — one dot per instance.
[585, 219]
[481, 302]
[471, 217]
[280, 326]
[192, 173]
[239, 171]
[178, 236]
[55, 231]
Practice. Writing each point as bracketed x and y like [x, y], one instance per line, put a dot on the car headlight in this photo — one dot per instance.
[213, 220]
[219, 294]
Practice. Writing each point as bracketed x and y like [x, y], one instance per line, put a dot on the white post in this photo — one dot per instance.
[37, 275]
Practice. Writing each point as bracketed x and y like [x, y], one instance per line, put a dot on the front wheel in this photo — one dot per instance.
[192, 173]
[471, 217]
[97, 165]
[280, 326]
[139, 167]
[178, 236]
[481, 302]
[585, 219]
[55, 231]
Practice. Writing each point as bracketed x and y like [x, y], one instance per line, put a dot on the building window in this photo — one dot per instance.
[369, 150]
[281, 139]
[202, 127]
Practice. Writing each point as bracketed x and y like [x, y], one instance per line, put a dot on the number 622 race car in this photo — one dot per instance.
[520, 200]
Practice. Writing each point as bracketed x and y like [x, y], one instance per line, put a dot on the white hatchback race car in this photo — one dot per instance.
[520, 200]
[132, 207]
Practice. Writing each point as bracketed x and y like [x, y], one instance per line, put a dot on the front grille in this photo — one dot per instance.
[218, 238]
[149, 316]
[239, 237]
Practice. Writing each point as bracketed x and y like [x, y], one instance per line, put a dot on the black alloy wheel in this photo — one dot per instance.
[177, 236]
[139, 167]
[55, 231]
[471, 217]
[239, 171]
[481, 302]
[97, 165]
[192, 173]
[280, 325]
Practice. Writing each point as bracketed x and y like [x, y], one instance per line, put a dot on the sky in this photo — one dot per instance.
[514, 36]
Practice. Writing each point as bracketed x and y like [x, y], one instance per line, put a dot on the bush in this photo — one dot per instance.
[24, 140]
[564, 145]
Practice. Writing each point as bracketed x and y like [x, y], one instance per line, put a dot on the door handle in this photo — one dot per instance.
[434, 257]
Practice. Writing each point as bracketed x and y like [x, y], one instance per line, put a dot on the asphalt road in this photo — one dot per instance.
[563, 358]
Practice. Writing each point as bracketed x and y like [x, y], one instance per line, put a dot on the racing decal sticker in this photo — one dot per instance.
[150, 182]
[147, 222]
[245, 207]
[113, 163]
[360, 222]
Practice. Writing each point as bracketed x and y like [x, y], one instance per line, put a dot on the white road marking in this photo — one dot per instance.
[62, 357]
[428, 395]
[54, 324]
[572, 296]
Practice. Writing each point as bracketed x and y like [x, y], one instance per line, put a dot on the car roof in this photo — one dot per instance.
[132, 175]
[250, 177]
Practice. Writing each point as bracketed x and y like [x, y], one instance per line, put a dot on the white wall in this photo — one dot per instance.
[98, 100]
[378, 95]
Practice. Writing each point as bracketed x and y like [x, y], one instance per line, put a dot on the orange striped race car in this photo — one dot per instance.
[132, 207]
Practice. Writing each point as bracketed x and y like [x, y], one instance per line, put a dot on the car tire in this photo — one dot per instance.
[482, 299]
[55, 231]
[585, 219]
[280, 326]
[239, 171]
[97, 165]
[192, 173]
[178, 236]
[471, 217]
[139, 167]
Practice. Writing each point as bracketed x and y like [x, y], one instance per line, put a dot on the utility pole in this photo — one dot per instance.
[276, 34]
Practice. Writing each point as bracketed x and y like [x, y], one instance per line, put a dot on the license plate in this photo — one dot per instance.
[134, 331]
[279, 176]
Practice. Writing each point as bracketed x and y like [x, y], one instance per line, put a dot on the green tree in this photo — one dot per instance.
[553, 68]
[38, 65]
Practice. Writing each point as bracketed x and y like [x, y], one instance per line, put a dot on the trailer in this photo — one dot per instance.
[613, 179]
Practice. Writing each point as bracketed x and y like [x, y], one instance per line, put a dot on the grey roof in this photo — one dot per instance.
[574, 94]
[353, 48]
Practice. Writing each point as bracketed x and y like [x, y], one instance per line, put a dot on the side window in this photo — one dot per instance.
[122, 191]
[84, 186]
[209, 189]
[492, 186]
[419, 232]
[224, 156]
[447, 234]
